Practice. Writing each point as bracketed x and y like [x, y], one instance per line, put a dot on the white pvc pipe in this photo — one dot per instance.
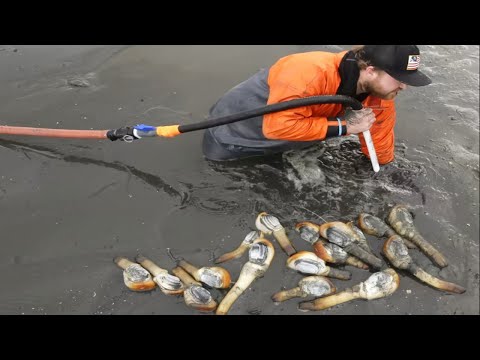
[371, 150]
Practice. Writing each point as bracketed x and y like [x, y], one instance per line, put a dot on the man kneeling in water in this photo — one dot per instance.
[372, 74]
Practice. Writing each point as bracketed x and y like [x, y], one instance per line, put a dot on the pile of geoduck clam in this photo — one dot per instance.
[333, 243]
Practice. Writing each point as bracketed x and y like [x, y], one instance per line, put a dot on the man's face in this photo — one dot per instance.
[384, 86]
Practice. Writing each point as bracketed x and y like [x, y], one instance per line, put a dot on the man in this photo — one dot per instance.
[372, 74]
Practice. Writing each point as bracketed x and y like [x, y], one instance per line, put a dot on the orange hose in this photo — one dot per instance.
[58, 133]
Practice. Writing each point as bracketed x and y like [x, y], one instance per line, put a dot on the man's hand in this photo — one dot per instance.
[359, 120]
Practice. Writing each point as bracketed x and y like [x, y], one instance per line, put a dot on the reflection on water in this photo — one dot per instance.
[151, 179]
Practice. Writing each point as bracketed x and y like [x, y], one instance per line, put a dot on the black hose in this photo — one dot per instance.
[267, 109]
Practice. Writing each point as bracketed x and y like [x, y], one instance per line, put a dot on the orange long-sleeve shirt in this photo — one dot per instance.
[316, 73]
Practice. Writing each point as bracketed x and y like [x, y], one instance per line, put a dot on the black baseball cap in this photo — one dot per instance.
[399, 61]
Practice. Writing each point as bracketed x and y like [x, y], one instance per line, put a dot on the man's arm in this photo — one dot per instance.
[295, 80]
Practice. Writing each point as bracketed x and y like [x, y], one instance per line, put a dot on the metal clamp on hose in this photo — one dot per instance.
[124, 134]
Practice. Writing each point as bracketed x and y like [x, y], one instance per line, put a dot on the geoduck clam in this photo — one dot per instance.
[334, 254]
[378, 285]
[213, 276]
[269, 224]
[326, 251]
[306, 262]
[260, 256]
[375, 226]
[244, 246]
[397, 253]
[195, 296]
[308, 231]
[316, 286]
[168, 284]
[401, 221]
[340, 234]
[135, 277]
[361, 239]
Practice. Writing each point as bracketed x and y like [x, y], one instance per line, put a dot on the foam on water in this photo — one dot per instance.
[454, 70]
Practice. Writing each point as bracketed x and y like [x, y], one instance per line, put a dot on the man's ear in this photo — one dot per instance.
[371, 73]
[370, 70]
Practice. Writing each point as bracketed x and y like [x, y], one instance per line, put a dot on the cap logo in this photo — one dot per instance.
[413, 62]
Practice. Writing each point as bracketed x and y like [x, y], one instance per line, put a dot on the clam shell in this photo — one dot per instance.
[309, 266]
[252, 236]
[338, 237]
[169, 282]
[378, 285]
[315, 287]
[136, 273]
[211, 278]
[199, 295]
[258, 253]
[270, 222]
[309, 234]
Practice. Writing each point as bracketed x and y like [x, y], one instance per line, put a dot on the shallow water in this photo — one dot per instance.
[70, 206]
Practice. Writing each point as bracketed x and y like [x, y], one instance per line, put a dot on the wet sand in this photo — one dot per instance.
[70, 206]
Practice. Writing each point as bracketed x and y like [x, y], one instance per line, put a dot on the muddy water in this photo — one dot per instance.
[70, 206]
